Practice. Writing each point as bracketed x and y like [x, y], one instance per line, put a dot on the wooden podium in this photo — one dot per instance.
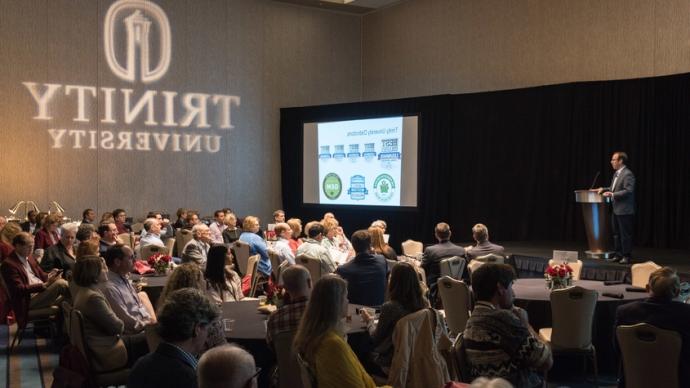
[595, 210]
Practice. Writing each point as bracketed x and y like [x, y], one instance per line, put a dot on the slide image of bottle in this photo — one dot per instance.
[325, 153]
[354, 154]
[369, 153]
[339, 152]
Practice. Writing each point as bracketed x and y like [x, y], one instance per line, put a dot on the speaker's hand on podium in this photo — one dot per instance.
[608, 194]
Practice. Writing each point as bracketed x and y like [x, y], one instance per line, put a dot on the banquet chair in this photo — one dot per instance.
[491, 258]
[576, 266]
[153, 339]
[646, 348]
[459, 365]
[169, 245]
[313, 266]
[288, 368]
[126, 239]
[182, 237]
[572, 313]
[252, 265]
[137, 227]
[452, 267]
[240, 250]
[307, 375]
[275, 264]
[455, 296]
[473, 265]
[151, 250]
[412, 248]
[640, 273]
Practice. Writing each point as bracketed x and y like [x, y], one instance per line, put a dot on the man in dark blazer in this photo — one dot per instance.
[366, 274]
[30, 224]
[28, 285]
[622, 191]
[663, 310]
[183, 325]
[480, 234]
[435, 253]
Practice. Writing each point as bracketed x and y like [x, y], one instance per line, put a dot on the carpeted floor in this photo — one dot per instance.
[31, 363]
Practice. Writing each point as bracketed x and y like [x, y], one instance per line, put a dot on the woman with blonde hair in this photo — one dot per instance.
[379, 244]
[296, 239]
[7, 233]
[232, 232]
[319, 339]
[257, 245]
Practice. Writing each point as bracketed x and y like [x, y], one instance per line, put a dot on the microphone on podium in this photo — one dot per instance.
[595, 180]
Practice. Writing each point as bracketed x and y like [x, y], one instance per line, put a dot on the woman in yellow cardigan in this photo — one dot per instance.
[319, 339]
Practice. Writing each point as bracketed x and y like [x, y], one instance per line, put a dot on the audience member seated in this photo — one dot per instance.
[120, 217]
[257, 245]
[282, 245]
[7, 234]
[109, 237]
[664, 310]
[88, 216]
[87, 232]
[379, 244]
[319, 339]
[29, 287]
[31, 224]
[3, 222]
[197, 248]
[366, 274]
[181, 222]
[499, 342]
[435, 253]
[222, 283]
[295, 239]
[330, 240]
[297, 283]
[189, 275]
[183, 327]
[217, 227]
[62, 255]
[312, 248]
[231, 233]
[278, 216]
[120, 293]
[380, 224]
[406, 297]
[480, 234]
[88, 248]
[102, 328]
[152, 235]
[192, 219]
[227, 367]
[48, 235]
[107, 217]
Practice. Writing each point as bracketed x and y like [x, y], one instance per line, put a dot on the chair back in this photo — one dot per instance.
[572, 313]
[275, 264]
[491, 258]
[152, 337]
[182, 237]
[169, 245]
[252, 266]
[306, 373]
[312, 265]
[150, 250]
[650, 356]
[67, 316]
[137, 227]
[575, 265]
[412, 248]
[240, 250]
[126, 239]
[460, 364]
[455, 296]
[640, 273]
[289, 375]
[76, 333]
[452, 267]
[473, 265]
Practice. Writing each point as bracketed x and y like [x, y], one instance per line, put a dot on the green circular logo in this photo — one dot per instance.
[384, 187]
[332, 186]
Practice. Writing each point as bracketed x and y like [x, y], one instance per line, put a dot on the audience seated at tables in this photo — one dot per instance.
[103, 330]
[312, 248]
[7, 234]
[231, 233]
[282, 244]
[295, 239]
[286, 318]
[320, 337]
[118, 290]
[183, 323]
[366, 274]
[28, 285]
[196, 250]
[222, 283]
[335, 241]
[435, 253]
[48, 234]
[379, 244]
[62, 255]
[88, 216]
[109, 236]
[152, 235]
[31, 224]
[181, 222]
[120, 217]
[480, 234]
[498, 340]
[257, 245]
[227, 366]
[189, 275]
[406, 297]
[167, 231]
[217, 227]
[664, 310]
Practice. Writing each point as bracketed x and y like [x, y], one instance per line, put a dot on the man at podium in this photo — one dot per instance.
[622, 191]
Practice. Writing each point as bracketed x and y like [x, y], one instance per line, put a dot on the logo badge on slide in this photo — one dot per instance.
[339, 153]
[325, 153]
[369, 151]
[332, 186]
[358, 188]
[384, 187]
[389, 150]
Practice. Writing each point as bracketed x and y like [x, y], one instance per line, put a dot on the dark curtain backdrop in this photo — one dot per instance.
[511, 159]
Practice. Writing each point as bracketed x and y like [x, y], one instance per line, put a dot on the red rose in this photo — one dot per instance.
[561, 272]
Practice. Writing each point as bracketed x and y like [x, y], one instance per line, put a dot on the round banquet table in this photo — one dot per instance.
[533, 296]
[153, 285]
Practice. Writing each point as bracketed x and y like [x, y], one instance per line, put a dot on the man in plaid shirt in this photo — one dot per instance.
[297, 282]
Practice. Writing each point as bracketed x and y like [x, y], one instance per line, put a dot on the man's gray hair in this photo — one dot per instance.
[71, 227]
[149, 223]
[226, 366]
[198, 228]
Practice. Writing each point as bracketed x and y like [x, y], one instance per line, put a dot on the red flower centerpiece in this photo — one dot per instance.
[558, 276]
[160, 263]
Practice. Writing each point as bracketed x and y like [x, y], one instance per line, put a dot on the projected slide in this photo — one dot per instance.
[360, 161]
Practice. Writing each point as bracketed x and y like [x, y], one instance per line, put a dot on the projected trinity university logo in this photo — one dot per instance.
[138, 50]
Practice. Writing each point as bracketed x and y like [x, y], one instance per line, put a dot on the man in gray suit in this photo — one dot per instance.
[435, 253]
[197, 248]
[622, 191]
[480, 234]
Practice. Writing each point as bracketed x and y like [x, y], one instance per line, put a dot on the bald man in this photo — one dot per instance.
[297, 283]
[227, 366]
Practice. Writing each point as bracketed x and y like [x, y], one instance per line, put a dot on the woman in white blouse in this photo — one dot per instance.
[222, 283]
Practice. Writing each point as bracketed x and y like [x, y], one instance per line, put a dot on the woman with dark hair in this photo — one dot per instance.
[406, 297]
[222, 283]
[319, 339]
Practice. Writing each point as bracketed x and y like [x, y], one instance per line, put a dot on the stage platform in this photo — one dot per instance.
[531, 259]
